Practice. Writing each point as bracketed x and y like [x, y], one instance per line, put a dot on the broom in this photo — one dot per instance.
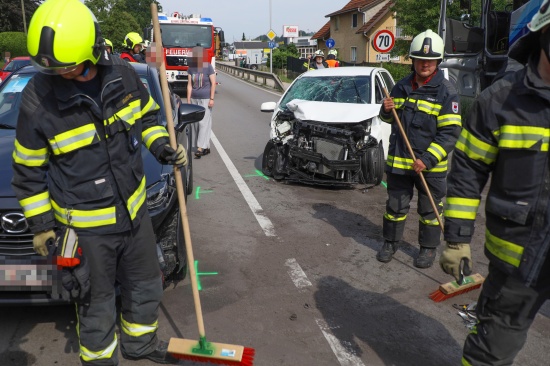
[202, 350]
[449, 289]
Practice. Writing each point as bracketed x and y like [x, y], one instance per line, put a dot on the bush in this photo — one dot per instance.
[13, 42]
[397, 71]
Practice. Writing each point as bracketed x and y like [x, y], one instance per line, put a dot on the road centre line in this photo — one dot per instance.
[345, 357]
[297, 275]
[263, 220]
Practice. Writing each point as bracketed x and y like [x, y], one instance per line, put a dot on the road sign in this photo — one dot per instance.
[330, 43]
[271, 44]
[271, 34]
[383, 41]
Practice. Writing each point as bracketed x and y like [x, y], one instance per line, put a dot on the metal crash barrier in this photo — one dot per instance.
[258, 77]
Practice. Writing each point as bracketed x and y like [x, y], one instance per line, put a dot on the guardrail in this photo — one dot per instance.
[255, 76]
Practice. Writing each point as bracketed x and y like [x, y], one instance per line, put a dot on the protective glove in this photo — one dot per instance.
[75, 271]
[76, 282]
[40, 240]
[456, 260]
[168, 156]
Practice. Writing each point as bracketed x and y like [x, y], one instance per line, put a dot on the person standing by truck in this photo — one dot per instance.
[428, 107]
[201, 89]
[133, 44]
[505, 139]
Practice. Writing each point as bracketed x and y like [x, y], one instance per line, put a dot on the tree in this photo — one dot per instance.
[11, 19]
[244, 38]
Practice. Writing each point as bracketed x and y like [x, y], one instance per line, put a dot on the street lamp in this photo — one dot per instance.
[24, 17]
[271, 51]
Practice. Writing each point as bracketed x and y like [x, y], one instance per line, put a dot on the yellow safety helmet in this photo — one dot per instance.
[131, 40]
[108, 43]
[63, 34]
[427, 45]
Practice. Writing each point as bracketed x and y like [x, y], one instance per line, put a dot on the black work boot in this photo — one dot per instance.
[386, 252]
[159, 355]
[425, 257]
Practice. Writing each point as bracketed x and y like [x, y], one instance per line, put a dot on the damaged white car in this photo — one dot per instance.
[325, 129]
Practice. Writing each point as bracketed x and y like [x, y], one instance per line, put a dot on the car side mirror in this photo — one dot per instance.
[268, 107]
[189, 113]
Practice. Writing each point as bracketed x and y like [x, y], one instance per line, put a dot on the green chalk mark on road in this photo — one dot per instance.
[258, 174]
[385, 184]
[198, 192]
[198, 274]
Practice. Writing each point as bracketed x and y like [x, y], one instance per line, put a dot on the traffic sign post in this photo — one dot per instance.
[330, 43]
[383, 41]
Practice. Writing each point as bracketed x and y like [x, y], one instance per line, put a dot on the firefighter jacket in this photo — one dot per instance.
[506, 136]
[307, 66]
[79, 163]
[332, 63]
[136, 57]
[430, 116]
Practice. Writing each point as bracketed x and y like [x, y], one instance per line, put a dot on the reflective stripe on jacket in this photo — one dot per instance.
[74, 161]
[506, 137]
[430, 116]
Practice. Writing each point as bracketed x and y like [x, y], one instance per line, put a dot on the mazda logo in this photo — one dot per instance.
[14, 223]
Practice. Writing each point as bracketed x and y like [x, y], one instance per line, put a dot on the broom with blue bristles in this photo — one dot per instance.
[201, 350]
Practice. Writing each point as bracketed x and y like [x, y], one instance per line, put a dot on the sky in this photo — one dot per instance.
[251, 17]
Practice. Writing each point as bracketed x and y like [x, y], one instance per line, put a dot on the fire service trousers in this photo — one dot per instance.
[129, 260]
[400, 193]
[505, 311]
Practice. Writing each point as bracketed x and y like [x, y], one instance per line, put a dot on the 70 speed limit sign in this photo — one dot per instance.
[383, 41]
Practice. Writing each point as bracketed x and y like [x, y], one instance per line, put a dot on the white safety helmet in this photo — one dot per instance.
[427, 45]
[319, 53]
[541, 18]
[333, 52]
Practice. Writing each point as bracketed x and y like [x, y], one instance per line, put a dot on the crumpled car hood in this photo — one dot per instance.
[328, 112]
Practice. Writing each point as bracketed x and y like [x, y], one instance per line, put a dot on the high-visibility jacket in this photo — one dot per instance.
[507, 136]
[79, 163]
[332, 63]
[430, 116]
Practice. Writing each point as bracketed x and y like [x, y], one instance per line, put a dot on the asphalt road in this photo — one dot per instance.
[297, 278]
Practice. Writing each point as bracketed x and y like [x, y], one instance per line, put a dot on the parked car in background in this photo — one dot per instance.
[325, 128]
[26, 278]
[13, 65]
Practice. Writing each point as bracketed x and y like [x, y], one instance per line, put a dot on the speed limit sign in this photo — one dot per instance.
[383, 41]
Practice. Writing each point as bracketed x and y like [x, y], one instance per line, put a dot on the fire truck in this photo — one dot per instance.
[180, 33]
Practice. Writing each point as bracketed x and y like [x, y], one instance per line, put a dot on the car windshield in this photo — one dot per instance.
[16, 65]
[10, 99]
[337, 89]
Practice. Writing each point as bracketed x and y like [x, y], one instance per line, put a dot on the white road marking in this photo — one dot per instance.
[344, 356]
[296, 273]
[257, 210]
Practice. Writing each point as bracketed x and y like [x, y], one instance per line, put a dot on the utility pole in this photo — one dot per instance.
[271, 51]
[24, 17]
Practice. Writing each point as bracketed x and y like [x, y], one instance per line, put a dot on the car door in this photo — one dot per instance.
[382, 81]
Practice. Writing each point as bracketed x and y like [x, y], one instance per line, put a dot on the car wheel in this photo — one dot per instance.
[270, 161]
[372, 164]
[180, 272]
[254, 67]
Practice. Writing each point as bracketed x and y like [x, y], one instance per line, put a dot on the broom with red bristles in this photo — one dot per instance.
[449, 289]
[201, 350]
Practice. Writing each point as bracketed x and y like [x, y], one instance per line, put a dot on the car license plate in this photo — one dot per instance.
[25, 275]
[172, 75]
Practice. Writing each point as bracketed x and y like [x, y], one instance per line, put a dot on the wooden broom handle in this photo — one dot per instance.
[411, 152]
[179, 180]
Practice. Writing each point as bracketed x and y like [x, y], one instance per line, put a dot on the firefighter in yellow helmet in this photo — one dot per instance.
[331, 59]
[78, 169]
[428, 107]
[504, 142]
[109, 46]
[133, 44]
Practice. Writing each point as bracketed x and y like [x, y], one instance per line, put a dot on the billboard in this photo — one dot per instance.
[290, 31]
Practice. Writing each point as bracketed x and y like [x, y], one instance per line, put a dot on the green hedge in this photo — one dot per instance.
[13, 42]
[397, 71]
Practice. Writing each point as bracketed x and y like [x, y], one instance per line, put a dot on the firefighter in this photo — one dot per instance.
[317, 62]
[133, 45]
[109, 46]
[77, 166]
[505, 138]
[428, 108]
[331, 59]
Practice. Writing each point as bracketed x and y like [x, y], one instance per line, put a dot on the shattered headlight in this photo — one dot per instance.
[158, 194]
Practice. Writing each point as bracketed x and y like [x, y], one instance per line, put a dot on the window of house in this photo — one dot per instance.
[354, 20]
[353, 57]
